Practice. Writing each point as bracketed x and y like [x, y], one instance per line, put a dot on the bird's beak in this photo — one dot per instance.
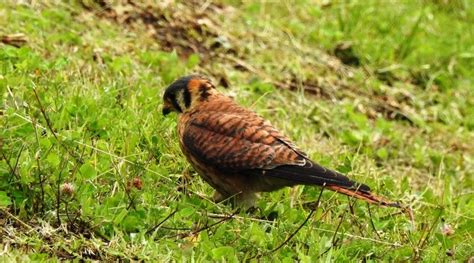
[166, 110]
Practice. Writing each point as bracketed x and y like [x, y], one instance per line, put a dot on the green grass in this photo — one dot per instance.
[81, 105]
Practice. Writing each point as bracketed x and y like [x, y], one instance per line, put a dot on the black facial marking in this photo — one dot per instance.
[203, 92]
[175, 103]
[187, 98]
[176, 86]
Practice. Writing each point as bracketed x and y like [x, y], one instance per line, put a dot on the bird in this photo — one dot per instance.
[239, 153]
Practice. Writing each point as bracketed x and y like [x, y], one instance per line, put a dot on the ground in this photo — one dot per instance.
[379, 90]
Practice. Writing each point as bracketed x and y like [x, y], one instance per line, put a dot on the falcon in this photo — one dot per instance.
[239, 153]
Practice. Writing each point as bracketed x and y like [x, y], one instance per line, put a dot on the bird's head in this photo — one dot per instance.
[186, 92]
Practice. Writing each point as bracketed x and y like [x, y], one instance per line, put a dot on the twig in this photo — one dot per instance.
[194, 232]
[215, 224]
[409, 212]
[372, 222]
[50, 127]
[17, 40]
[337, 229]
[351, 206]
[176, 228]
[66, 209]
[333, 242]
[14, 168]
[58, 193]
[422, 241]
[41, 183]
[45, 116]
[17, 160]
[16, 218]
[161, 222]
[304, 222]
[128, 190]
[40, 176]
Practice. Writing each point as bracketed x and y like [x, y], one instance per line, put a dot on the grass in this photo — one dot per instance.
[90, 169]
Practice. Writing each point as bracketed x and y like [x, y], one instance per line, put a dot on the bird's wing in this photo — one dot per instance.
[231, 141]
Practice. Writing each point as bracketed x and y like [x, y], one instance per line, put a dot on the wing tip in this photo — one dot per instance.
[361, 187]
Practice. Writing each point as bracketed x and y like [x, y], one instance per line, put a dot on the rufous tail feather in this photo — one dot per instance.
[366, 196]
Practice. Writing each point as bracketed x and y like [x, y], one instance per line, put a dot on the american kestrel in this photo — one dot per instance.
[239, 153]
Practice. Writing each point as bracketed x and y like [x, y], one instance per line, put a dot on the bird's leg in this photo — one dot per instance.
[246, 200]
[183, 181]
[226, 199]
[219, 197]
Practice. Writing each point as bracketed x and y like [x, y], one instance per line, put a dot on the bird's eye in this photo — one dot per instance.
[171, 98]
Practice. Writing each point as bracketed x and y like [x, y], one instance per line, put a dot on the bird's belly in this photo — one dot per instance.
[225, 183]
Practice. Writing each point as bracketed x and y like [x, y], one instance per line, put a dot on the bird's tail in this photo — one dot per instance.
[314, 174]
[364, 195]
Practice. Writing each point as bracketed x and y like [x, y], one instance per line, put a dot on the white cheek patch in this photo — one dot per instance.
[180, 100]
